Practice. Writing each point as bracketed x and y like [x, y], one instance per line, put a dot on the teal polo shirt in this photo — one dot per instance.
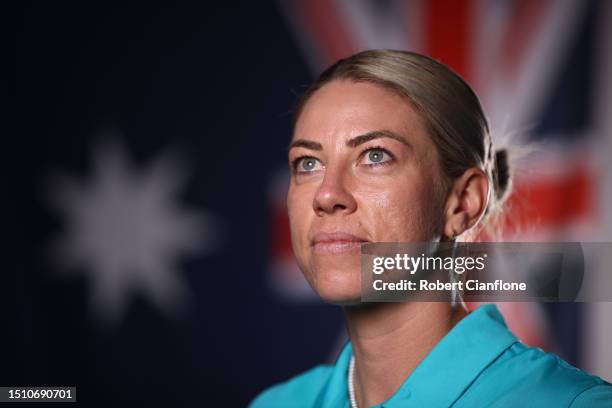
[479, 363]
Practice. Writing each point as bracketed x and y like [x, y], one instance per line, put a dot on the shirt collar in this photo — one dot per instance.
[447, 370]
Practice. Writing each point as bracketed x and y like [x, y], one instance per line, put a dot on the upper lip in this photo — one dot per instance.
[337, 236]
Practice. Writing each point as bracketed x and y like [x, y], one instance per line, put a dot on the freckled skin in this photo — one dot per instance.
[399, 201]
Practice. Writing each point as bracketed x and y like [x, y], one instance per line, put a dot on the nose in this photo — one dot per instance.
[333, 195]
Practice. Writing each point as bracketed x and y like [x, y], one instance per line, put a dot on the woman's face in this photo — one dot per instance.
[363, 170]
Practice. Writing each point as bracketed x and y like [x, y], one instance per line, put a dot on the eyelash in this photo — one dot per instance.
[295, 161]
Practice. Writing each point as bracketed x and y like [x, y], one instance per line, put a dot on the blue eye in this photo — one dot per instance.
[307, 164]
[376, 156]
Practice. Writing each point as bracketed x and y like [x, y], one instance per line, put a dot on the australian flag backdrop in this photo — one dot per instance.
[145, 252]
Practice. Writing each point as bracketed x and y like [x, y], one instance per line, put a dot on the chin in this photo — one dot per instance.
[339, 287]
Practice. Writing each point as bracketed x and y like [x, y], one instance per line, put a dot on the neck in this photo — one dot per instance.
[390, 339]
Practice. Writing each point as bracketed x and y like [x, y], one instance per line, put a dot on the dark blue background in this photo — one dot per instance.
[218, 84]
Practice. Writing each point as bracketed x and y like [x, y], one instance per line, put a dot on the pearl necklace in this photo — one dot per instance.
[351, 383]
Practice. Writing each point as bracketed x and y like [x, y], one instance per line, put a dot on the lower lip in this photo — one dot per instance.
[337, 247]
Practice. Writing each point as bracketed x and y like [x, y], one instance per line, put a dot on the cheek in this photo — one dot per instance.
[401, 213]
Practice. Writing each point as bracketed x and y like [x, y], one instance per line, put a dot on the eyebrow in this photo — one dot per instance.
[376, 134]
[354, 142]
[308, 144]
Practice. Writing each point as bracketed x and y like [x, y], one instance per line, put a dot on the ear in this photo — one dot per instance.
[466, 202]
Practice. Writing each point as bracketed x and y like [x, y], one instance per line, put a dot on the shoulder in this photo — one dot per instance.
[302, 390]
[528, 375]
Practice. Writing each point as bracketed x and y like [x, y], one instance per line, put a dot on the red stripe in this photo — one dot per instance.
[549, 205]
[281, 234]
[520, 32]
[448, 25]
[326, 28]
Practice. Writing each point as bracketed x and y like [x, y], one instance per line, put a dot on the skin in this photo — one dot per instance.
[386, 186]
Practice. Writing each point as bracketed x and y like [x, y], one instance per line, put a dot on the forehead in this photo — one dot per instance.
[347, 108]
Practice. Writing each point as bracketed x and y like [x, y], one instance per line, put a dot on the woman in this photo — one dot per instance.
[392, 146]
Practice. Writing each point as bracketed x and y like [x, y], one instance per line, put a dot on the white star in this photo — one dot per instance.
[127, 232]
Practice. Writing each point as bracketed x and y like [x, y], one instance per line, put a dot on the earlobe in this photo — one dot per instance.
[466, 202]
[452, 218]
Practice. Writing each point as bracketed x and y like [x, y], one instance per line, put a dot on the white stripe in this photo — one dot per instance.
[375, 30]
[518, 101]
[598, 326]
[492, 19]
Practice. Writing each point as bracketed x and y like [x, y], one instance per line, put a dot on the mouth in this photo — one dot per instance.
[336, 242]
